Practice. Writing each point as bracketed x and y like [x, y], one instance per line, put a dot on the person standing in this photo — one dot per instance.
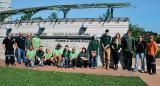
[8, 45]
[152, 49]
[28, 41]
[93, 47]
[66, 57]
[36, 42]
[128, 46]
[116, 49]
[105, 43]
[20, 43]
[140, 46]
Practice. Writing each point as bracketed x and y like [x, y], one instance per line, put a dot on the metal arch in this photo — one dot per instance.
[64, 8]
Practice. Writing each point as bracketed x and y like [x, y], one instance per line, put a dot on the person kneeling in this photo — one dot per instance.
[83, 58]
[30, 56]
[40, 56]
[47, 59]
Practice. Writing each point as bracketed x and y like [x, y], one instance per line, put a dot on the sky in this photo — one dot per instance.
[145, 13]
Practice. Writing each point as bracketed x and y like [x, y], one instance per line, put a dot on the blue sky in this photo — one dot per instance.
[145, 14]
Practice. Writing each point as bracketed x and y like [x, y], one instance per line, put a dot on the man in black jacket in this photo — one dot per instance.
[8, 45]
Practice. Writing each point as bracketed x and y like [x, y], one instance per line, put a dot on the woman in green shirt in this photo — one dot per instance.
[73, 57]
[31, 56]
[48, 56]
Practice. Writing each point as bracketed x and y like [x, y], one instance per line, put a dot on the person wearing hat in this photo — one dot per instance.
[20, 43]
[140, 46]
[36, 42]
[28, 41]
[105, 43]
[48, 56]
[57, 55]
[8, 45]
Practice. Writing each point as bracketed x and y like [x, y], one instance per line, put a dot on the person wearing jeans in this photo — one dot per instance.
[30, 57]
[66, 57]
[20, 50]
[151, 56]
[93, 47]
[140, 51]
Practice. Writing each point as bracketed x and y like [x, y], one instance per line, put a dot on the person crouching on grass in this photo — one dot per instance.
[48, 56]
[66, 57]
[152, 49]
[40, 56]
[57, 55]
[30, 57]
[73, 57]
[83, 58]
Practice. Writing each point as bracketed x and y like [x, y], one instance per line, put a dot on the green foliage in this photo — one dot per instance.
[23, 77]
[158, 53]
[136, 30]
[53, 16]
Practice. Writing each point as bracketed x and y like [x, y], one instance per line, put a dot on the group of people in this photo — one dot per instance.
[128, 47]
[30, 51]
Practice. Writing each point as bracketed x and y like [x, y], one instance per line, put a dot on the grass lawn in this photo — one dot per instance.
[26, 77]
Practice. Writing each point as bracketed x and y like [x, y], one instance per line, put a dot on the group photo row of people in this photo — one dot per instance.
[30, 51]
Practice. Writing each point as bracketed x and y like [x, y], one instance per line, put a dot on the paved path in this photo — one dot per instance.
[151, 80]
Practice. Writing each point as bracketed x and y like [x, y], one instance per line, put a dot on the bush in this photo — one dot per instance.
[158, 53]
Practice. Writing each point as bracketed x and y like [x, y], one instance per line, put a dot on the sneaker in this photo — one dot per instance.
[134, 70]
[142, 71]
[95, 67]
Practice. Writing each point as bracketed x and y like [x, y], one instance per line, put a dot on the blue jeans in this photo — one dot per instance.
[141, 55]
[20, 55]
[93, 61]
[66, 61]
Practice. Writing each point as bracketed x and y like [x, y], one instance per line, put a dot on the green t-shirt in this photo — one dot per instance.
[73, 55]
[31, 54]
[57, 52]
[48, 55]
[28, 43]
[36, 42]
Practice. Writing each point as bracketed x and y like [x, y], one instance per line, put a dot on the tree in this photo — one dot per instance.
[136, 30]
[53, 16]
